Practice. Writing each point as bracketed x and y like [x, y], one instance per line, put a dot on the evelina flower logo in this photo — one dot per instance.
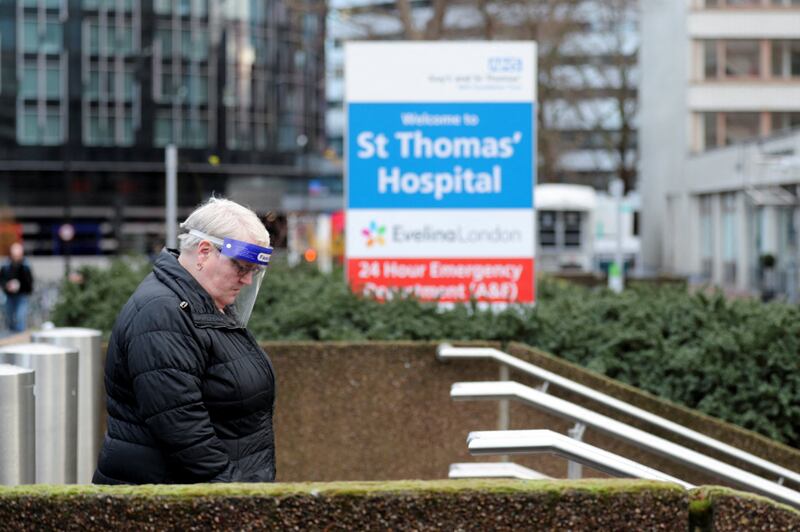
[374, 234]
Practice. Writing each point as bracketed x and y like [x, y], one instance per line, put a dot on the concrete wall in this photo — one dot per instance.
[382, 411]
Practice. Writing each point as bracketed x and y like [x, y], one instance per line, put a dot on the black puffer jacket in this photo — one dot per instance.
[190, 394]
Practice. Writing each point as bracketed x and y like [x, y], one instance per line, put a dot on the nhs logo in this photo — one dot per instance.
[507, 64]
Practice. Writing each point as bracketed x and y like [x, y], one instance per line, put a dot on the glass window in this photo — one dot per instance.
[200, 7]
[260, 47]
[547, 229]
[164, 41]
[242, 135]
[710, 59]
[257, 11]
[184, 7]
[163, 7]
[740, 126]
[92, 86]
[794, 58]
[94, 38]
[710, 131]
[107, 83]
[742, 58]
[785, 120]
[196, 133]
[163, 133]
[786, 232]
[167, 89]
[53, 81]
[89, 4]
[126, 133]
[786, 58]
[106, 131]
[110, 41]
[572, 229]
[52, 126]
[299, 59]
[198, 89]
[30, 82]
[124, 40]
[287, 137]
[186, 44]
[53, 37]
[30, 35]
[777, 59]
[28, 126]
[261, 134]
[729, 243]
[129, 83]
[310, 24]
[200, 46]
[99, 131]
[706, 237]
[92, 130]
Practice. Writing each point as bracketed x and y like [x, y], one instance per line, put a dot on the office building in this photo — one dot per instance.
[719, 175]
[91, 92]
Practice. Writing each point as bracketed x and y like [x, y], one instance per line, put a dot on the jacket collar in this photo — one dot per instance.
[201, 306]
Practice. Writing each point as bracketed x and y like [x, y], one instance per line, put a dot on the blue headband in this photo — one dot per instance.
[237, 249]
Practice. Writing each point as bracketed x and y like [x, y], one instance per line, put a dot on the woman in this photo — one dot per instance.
[190, 392]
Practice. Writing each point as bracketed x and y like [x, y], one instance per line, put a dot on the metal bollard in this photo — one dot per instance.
[18, 419]
[56, 392]
[91, 394]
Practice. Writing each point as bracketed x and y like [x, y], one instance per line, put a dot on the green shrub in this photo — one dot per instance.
[734, 359]
[96, 300]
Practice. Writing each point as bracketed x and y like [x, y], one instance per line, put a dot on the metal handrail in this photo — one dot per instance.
[494, 470]
[634, 436]
[447, 352]
[547, 441]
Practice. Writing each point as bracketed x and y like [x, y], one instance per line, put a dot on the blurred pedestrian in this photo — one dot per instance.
[190, 391]
[16, 279]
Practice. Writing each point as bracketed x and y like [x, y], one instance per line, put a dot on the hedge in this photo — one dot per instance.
[733, 359]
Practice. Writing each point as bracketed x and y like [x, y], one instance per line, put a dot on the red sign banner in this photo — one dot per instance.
[446, 279]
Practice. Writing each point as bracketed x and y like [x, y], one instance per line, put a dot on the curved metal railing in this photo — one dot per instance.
[448, 352]
[565, 409]
[547, 441]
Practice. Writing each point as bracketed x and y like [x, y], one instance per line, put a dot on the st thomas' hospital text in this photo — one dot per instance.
[414, 145]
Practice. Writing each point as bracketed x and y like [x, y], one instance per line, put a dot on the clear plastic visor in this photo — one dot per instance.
[249, 262]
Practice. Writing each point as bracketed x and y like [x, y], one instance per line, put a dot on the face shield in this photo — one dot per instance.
[246, 261]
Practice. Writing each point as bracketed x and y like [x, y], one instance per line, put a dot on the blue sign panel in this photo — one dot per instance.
[440, 155]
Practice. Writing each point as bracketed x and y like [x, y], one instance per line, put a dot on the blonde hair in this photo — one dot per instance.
[223, 218]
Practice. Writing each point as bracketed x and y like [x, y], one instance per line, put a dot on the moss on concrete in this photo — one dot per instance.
[400, 505]
[589, 504]
[601, 487]
[723, 509]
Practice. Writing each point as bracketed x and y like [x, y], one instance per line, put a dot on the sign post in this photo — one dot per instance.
[440, 170]
[171, 164]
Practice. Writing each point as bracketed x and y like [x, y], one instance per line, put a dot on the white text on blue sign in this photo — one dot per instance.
[440, 155]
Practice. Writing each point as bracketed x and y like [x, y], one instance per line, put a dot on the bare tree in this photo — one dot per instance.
[586, 68]
[614, 71]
